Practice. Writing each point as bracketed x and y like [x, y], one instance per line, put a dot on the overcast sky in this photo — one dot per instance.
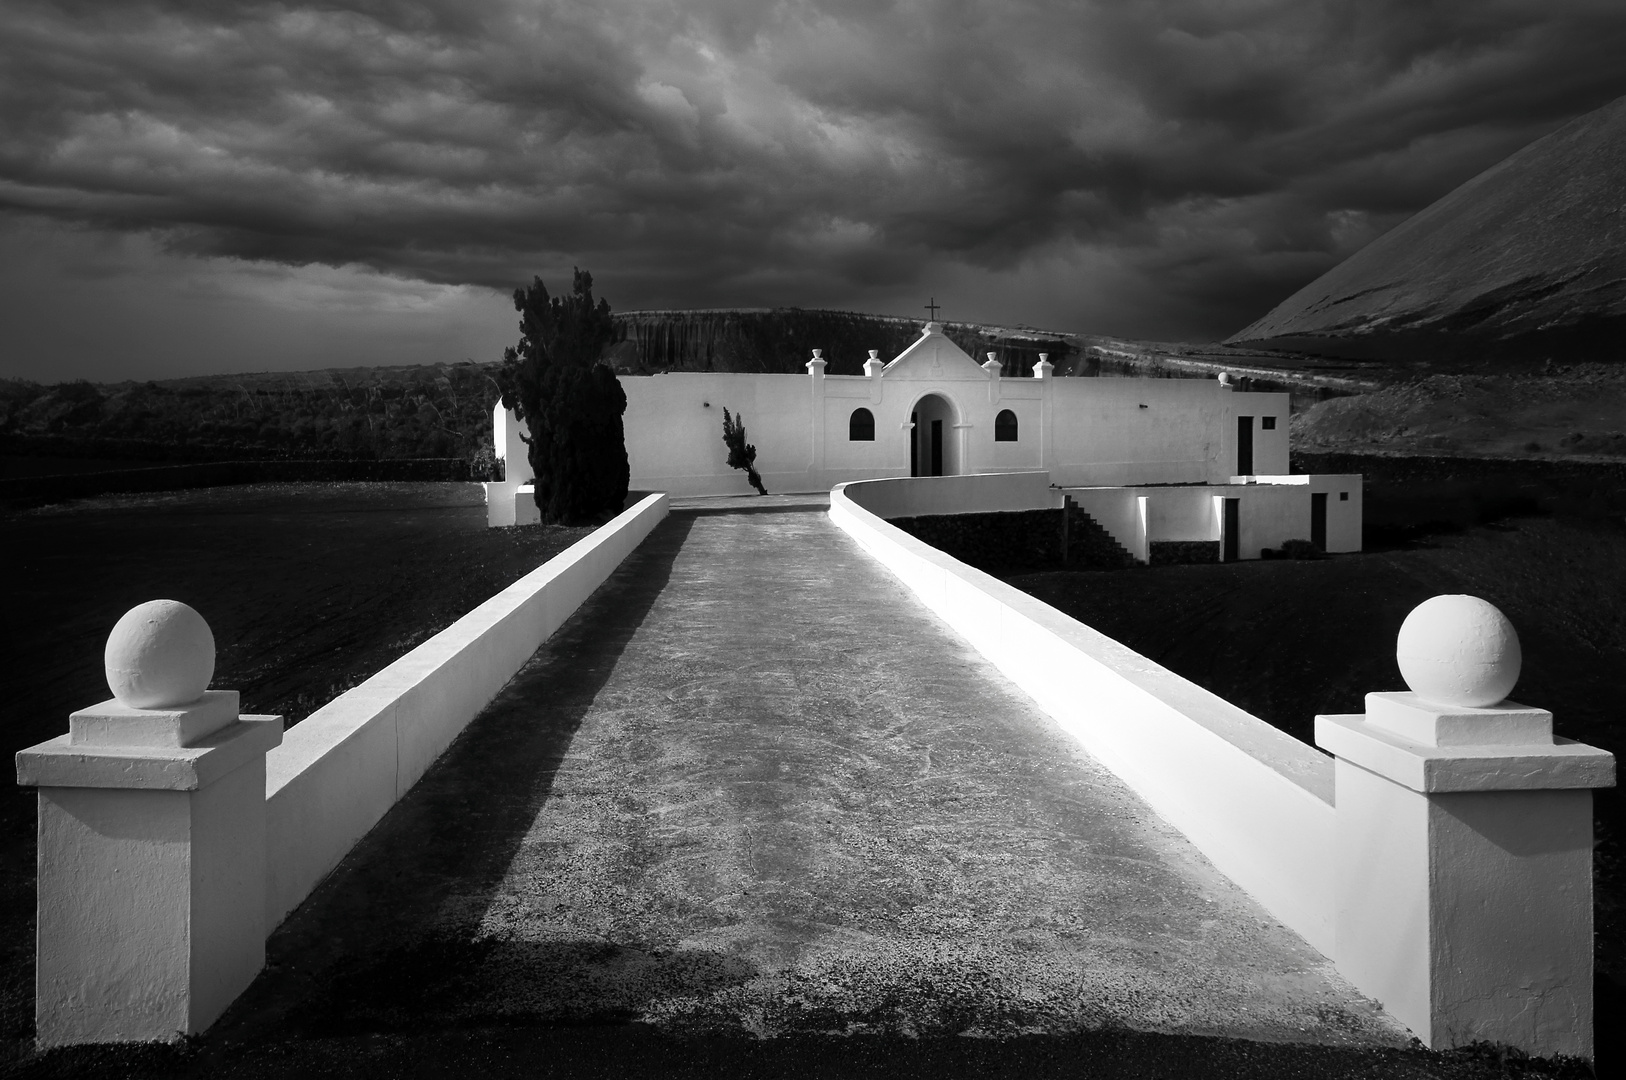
[206, 186]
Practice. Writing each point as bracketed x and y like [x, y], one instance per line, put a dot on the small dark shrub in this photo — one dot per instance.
[1300, 549]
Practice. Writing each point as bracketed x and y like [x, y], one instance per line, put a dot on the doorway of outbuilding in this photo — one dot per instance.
[934, 447]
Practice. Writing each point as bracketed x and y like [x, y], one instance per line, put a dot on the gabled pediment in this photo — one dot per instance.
[934, 356]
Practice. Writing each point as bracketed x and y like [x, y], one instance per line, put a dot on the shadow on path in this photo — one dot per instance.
[390, 940]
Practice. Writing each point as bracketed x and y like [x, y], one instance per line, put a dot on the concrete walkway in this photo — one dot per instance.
[754, 787]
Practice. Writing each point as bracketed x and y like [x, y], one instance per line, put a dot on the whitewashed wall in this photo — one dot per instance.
[674, 431]
[1180, 514]
[1086, 432]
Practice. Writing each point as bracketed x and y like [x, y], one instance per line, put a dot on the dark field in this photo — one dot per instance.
[309, 589]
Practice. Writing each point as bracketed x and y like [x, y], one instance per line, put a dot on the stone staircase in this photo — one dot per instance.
[1085, 542]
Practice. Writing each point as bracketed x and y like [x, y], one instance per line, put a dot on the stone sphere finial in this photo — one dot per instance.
[1225, 378]
[161, 654]
[1458, 652]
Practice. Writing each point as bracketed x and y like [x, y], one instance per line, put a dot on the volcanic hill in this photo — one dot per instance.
[1524, 263]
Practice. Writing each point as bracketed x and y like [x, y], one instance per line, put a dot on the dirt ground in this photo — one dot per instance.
[309, 589]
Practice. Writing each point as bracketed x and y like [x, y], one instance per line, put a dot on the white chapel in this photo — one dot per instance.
[1153, 460]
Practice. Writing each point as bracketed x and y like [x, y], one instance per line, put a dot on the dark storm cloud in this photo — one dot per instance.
[1213, 155]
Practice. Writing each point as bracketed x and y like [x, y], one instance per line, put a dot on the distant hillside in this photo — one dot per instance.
[437, 410]
[1577, 412]
[1523, 264]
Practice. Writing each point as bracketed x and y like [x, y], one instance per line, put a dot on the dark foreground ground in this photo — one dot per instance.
[309, 589]
[1285, 640]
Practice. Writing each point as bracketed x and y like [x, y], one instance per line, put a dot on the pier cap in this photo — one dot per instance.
[1458, 651]
[161, 654]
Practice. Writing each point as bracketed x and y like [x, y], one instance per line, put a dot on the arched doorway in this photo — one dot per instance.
[934, 442]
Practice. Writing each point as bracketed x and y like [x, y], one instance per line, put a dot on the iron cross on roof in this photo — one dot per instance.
[932, 307]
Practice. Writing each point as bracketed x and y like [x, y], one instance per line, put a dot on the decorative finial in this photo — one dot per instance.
[160, 655]
[1458, 651]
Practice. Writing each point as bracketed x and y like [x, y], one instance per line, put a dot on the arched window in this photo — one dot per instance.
[861, 428]
[1005, 426]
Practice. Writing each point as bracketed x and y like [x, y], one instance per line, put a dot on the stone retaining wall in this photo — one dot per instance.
[1171, 552]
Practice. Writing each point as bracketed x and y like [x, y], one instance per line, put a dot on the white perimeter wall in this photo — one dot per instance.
[674, 431]
[1102, 435]
[1178, 516]
[338, 772]
[1255, 801]
[1085, 431]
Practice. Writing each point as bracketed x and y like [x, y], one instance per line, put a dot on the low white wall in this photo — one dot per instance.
[337, 773]
[1181, 514]
[674, 431]
[982, 493]
[1257, 802]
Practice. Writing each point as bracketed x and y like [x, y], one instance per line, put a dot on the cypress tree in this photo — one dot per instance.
[572, 403]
